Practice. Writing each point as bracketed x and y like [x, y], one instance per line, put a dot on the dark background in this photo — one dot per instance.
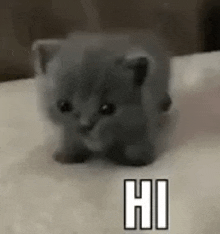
[189, 26]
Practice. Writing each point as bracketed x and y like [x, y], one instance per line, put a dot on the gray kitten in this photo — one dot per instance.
[106, 91]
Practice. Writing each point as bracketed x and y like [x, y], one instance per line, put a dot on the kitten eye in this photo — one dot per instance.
[64, 106]
[107, 109]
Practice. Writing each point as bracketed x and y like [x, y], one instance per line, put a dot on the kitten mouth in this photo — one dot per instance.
[89, 137]
[85, 132]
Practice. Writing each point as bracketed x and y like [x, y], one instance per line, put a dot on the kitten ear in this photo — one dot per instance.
[139, 62]
[43, 51]
[140, 67]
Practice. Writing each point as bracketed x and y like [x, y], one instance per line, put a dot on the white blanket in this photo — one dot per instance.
[40, 196]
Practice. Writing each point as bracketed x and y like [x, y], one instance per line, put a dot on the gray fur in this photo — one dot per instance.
[93, 69]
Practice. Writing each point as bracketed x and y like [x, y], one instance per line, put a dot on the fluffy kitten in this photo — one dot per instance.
[107, 93]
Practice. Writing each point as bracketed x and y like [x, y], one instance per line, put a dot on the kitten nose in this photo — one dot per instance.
[86, 127]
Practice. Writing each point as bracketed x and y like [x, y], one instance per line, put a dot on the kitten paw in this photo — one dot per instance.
[135, 163]
[64, 158]
[139, 156]
[130, 156]
[123, 161]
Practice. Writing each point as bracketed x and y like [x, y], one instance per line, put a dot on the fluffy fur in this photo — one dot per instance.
[81, 74]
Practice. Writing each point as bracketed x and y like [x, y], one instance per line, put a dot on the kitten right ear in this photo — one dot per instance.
[140, 67]
[139, 64]
[43, 51]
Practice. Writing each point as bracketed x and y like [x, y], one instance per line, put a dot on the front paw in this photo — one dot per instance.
[139, 155]
[131, 155]
[134, 162]
[67, 158]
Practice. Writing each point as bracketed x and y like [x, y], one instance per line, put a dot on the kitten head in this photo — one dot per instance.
[91, 89]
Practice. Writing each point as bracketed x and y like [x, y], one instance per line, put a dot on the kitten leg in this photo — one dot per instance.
[133, 155]
[140, 154]
[72, 149]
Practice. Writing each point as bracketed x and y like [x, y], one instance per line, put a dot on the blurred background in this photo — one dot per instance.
[189, 26]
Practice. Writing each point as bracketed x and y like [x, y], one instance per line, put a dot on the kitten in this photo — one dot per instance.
[107, 93]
